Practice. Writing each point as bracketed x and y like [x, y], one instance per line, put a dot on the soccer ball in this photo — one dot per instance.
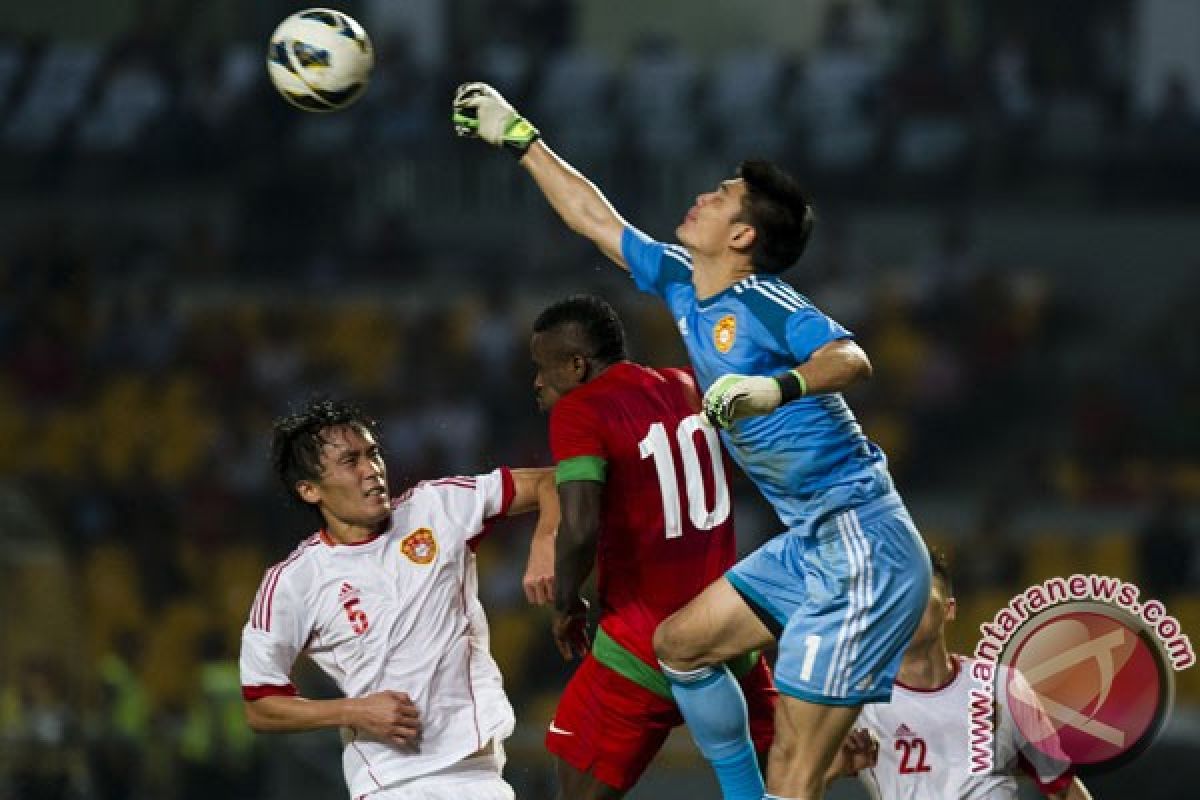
[320, 59]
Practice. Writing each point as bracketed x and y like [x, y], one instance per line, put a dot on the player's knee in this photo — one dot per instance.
[673, 648]
[787, 756]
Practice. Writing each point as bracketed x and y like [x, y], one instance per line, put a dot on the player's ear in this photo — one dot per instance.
[579, 366]
[742, 237]
[308, 491]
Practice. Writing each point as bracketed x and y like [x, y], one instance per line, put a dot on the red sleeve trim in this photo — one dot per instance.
[252, 693]
[1050, 787]
[508, 493]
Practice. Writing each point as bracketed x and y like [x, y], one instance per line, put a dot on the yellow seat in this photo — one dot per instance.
[1113, 554]
[1050, 555]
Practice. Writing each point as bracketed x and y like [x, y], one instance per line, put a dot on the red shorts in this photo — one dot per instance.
[612, 728]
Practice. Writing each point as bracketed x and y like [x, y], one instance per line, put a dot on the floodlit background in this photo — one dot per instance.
[1009, 217]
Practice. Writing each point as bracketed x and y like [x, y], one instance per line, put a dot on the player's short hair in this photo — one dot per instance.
[780, 212]
[596, 321]
[296, 439]
[941, 567]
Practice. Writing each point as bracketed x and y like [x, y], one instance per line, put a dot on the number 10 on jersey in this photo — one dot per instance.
[657, 445]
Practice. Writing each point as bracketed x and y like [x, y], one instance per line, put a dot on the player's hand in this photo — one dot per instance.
[539, 571]
[570, 631]
[859, 751]
[734, 397]
[387, 715]
[481, 112]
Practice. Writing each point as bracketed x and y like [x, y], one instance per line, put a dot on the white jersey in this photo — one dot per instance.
[398, 612]
[924, 746]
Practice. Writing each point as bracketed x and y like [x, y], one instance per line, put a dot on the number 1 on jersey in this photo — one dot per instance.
[658, 445]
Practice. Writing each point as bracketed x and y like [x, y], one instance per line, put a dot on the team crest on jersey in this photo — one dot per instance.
[725, 333]
[419, 546]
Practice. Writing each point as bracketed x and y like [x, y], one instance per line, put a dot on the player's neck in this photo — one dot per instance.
[711, 276]
[339, 532]
[928, 667]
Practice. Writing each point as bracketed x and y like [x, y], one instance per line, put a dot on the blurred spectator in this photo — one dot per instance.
[1166, 548]
[43, 738]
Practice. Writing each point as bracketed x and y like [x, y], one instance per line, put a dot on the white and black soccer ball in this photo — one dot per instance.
[320, 59]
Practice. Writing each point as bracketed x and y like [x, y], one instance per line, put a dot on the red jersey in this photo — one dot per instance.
[666, 529]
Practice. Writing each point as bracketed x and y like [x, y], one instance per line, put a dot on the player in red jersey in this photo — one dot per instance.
[645, 498]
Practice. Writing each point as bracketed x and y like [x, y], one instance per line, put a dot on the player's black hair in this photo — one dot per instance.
[941, 567]
[597, 321]
[780, 212]
[296, 439]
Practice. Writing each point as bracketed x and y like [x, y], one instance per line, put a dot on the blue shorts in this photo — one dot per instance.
[843, 595]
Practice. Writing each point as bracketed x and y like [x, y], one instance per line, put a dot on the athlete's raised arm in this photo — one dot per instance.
[482, 112]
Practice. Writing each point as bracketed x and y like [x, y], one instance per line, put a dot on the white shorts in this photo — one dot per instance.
[476, 777]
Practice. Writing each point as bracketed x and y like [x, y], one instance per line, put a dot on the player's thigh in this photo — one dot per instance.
[608, 728]
[807, 736]
[575, 784]
[868, 574]
[716, 626]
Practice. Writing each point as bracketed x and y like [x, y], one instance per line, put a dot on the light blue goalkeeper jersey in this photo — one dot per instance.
[808, 457]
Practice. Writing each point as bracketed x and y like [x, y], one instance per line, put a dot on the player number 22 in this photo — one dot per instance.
[658, 445]
[913, 758]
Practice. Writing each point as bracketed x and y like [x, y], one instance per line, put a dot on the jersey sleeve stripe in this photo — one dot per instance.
[789, 292]
[267, 593]
[465, 481]
[252, 693]
[768, 293]
[679, 254]
[508, 492]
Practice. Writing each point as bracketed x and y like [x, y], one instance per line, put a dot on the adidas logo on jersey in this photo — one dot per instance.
[347, 594]
[904, 732]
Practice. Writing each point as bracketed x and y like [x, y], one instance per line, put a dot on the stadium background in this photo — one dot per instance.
[1007, 199]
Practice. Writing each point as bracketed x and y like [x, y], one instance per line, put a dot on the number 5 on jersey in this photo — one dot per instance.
[659, 446]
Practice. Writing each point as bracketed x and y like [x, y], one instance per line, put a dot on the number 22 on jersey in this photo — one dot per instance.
[658, 445]
[913, 758]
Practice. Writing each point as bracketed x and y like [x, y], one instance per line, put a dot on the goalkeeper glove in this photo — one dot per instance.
[734, 397]
[481, 112]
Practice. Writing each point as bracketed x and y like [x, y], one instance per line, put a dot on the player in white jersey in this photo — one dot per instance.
[924, 731]
[383, 599]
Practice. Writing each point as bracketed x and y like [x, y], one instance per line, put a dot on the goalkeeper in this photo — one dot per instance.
[843, 587]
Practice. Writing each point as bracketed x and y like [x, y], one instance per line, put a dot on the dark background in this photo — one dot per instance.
[1007, 217]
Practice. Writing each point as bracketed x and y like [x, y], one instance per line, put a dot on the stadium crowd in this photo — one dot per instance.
[143, 356]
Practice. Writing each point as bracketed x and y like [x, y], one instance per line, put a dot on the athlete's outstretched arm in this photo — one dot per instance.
[535, 489]
[482, 112]
[386, 715]
[577, 200]
[575, 553]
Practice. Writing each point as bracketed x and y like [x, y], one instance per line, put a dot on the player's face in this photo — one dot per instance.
[557, 370]
[352, 487]
[710, 227]
[940, 610]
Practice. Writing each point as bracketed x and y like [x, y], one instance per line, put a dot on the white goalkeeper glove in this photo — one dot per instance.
[734, 397]
[481, 112]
